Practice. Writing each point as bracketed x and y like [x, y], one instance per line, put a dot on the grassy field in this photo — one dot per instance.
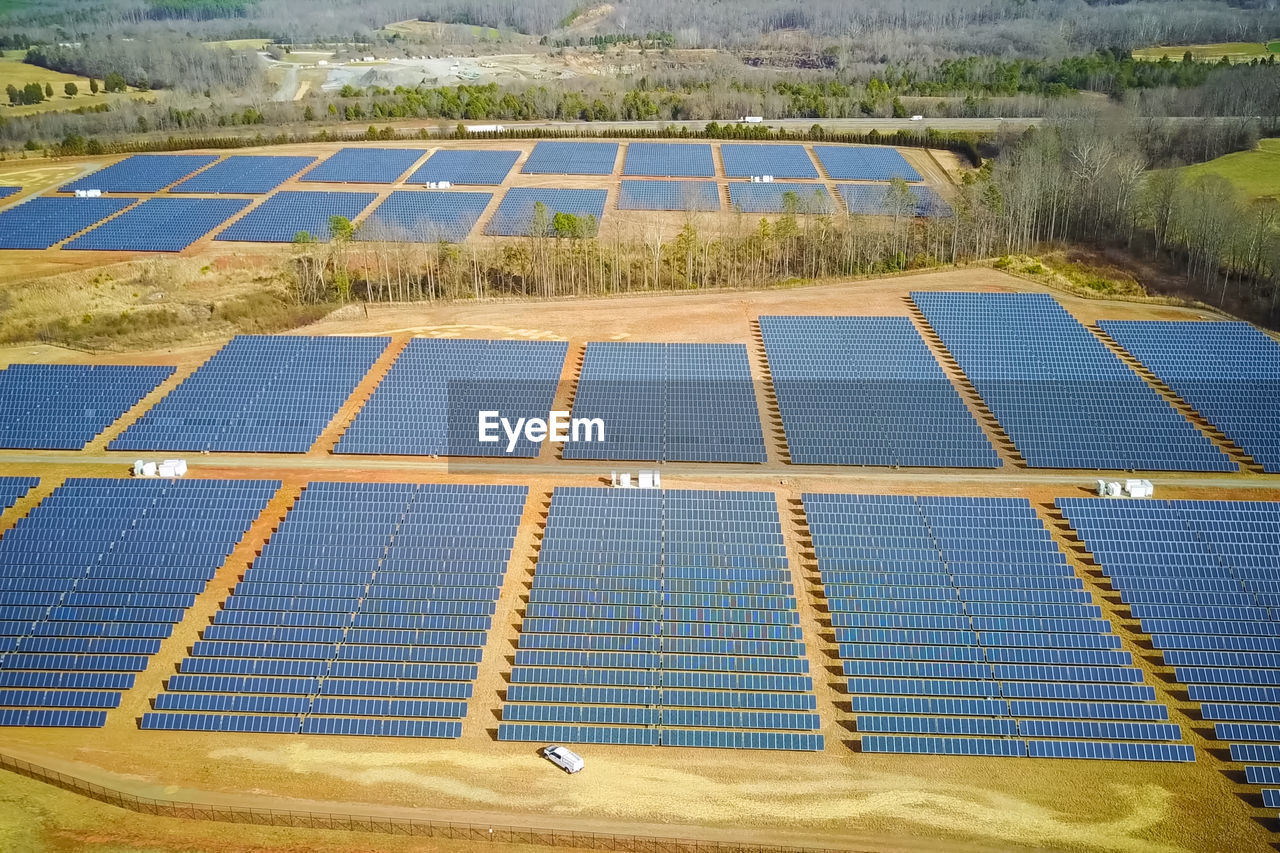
[14, 70]
[1256, 173]
[241, 44]
[1235, 51]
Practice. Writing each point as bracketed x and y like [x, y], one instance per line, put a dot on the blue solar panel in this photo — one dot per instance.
[429, 402]
[160, 225]
[516, 214]
[285, 215]
[669, 160]
[245, 174]
[5, 192]
[679, 402]
[487, 168]
[266, 394]
[1228, 372]
[13, 488]
[944, 745]
[879, 200]
[142, 173]
[40, 222]
[867, 391]
[424, 217]
[779, 198]
[63, 406]
[572, 158]
[864, 163]
[1064, 399]
[669, 195]
[780, 161]
[365, 166]
[1111, 750]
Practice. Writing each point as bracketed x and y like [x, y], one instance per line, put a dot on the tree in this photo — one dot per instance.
[48, 90]
[93, 86]
[15, 96]
[899, 108]
[113, 82]
[309, 114]
[71, 89]
[32, 93]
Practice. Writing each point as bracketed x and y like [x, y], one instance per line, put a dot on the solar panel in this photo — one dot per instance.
[882, 200]
[282, 217]
[864, 163]
[867, 391]
[160, 225]
[244, 174]
[779, 198]
[669, 195]
[424, 217]
[1063, 398]
[40, 222]
[944, 745]
[1228, 372]
[5, 192]
[571, 158]
[517, 215]
[364, 166]
[266, 394]
[1111, 750]
[758, 160]
[13, 488]
[141, 173]
[486, 167]
[669, 160]
[64, 406]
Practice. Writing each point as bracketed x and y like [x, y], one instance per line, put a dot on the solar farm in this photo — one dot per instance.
[875, 593]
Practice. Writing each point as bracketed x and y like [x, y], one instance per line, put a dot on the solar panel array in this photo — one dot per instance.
[1064, 399]
[515, 215]
[142, 173]
[781, 161]
[285, 215]
[668, 402]
[164, 224]
[245, 174]
[424, 217]
[430, 400]
[571, 158]
[780, 198]
[366, 614]
[669, 160]
[258, 394]
[94, 579]
[962, 630]
[662, 618]
[1227, 372]
[466, 167]
[867, 391]
[879, 200]
[1203, 578]
[40, 222]
[365, 166]
[64, 406]
[669, 195]
[846, 163]
[13, 489]
[5, 192]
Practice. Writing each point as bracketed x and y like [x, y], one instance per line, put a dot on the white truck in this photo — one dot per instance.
[564, 758]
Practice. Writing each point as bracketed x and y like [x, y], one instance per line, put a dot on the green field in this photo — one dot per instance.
[1235, 51]
[1256, 173]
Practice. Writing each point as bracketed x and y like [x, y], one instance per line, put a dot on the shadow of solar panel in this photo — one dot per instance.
[1228, 372]
[45, 220]
[365, 166]
[430, 401]
[864, 163]
[64, 406]
[880, 200]
[245, 174]
[424, 217]
[142, 173]
[669, 160]
[466, 167]
[160, 225]
[571, 158]
[284, 216]
[780, 161]
[1063, 398]
[669, 195]
[5, 192]
[780, 198]
[867, 391]
[259, 393]
[517, 215]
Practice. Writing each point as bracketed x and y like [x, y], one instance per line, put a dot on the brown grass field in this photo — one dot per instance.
[838, 798]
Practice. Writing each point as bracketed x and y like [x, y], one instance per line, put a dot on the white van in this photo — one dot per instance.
[564, 758]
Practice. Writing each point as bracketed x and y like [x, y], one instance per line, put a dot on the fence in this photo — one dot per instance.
[389, 825]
